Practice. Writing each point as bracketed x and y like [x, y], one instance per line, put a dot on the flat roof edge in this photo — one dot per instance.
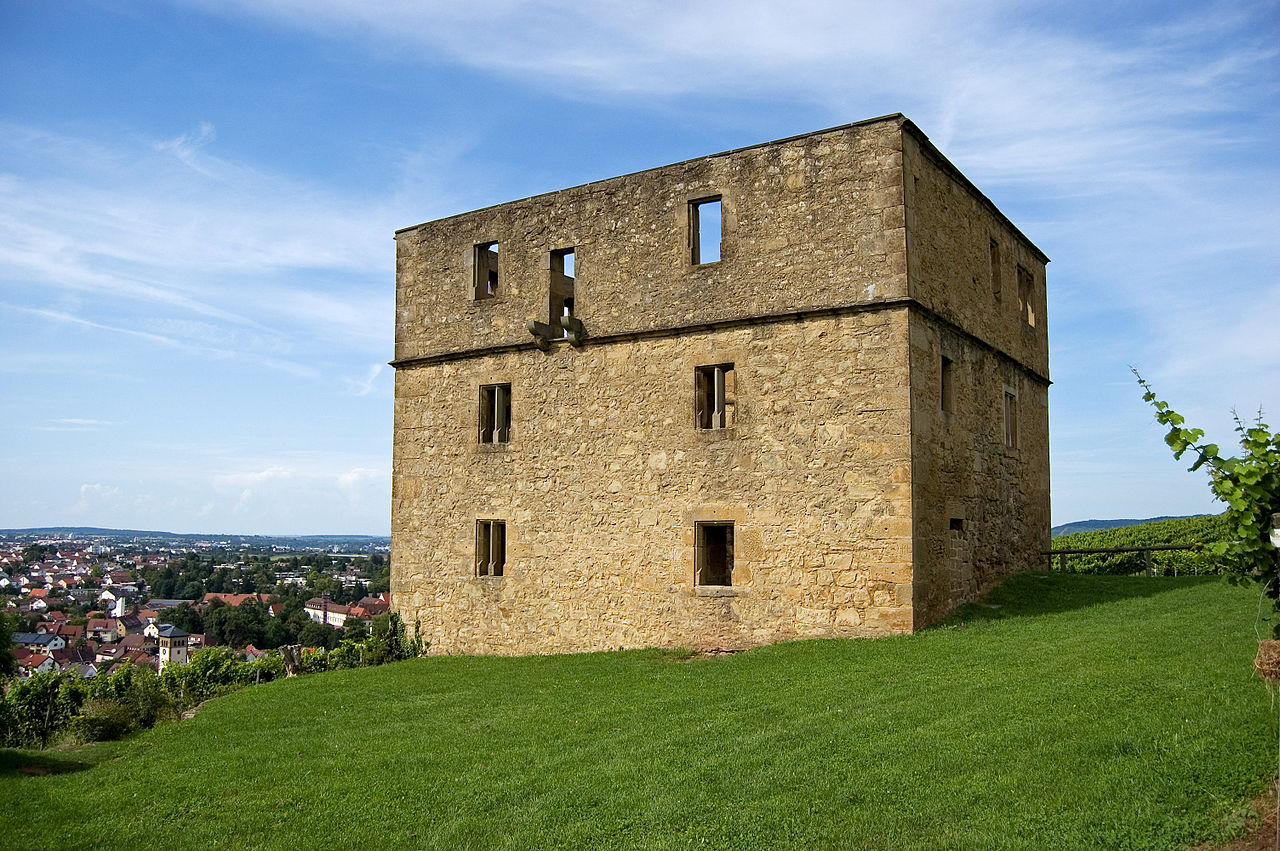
[892, 117]
[932, 151]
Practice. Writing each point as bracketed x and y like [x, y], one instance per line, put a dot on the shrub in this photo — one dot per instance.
[102, 719]
[39, 707]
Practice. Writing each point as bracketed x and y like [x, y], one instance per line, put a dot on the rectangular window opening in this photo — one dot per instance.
[948, 398]
[486, 270]
[495, 413]
[715, 553]
[562, 281]
[491, 547]
[714, 393]
[957, 525]
[705, 230]
[995, 269]
[1026, 287]
[1010, 419]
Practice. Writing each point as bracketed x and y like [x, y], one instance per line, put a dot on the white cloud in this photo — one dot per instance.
[96, 498]
[361, 476]
[364, 386]
[218, 252]
[75, 424]
[244, 479]
[188, 145]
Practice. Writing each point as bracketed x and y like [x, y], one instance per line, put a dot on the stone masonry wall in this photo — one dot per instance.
[950, 227]
[812, 222]
[962, 471]
[853, 262]
[981, 507]
[605, 476]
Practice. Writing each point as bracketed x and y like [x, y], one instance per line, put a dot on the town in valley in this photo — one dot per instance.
[87, 601]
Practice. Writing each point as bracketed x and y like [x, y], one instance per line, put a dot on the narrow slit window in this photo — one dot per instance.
[491, 547]
[948, 397]
[714, 553]
[1010, 419]
[995, 269]
[705, 230]
[486, 270]
[714, 391]
[1026, 292]
[562, 285]
[495, 413]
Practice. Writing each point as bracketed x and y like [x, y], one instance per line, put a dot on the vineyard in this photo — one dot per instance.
[1202, 529]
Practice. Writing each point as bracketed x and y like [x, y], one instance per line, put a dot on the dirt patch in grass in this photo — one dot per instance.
[1262, 828]
[708, 653]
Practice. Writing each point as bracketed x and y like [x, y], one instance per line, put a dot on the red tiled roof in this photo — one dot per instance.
[232, 599]
[319, 603]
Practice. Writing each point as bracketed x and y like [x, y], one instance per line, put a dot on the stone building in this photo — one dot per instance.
[796, 389]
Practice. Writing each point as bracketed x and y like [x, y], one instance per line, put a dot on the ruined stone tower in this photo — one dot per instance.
[796, 389]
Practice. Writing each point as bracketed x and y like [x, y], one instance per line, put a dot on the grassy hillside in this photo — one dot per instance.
[1083, 712]
[1199, 529]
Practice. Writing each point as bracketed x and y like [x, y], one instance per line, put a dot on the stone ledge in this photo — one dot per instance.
[718, 591]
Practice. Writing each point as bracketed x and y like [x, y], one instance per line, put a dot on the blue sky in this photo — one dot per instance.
[197, 202]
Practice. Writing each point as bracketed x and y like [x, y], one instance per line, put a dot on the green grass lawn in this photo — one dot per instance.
[1085, 712]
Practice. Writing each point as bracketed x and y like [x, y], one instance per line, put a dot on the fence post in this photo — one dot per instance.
[1062, 563]
[1146, 557]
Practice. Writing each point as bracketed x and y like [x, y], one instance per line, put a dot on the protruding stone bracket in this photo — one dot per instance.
[571, 330]
[574, 332]
[543, 334]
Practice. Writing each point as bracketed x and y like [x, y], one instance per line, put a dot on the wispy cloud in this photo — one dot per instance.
[75, 424]
[364, 386]
[250, 478]
[188, 145]
[191, 237]
[96, 497]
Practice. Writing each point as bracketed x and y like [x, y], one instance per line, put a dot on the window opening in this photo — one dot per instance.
[714, 396]
[561, 289]
[1026, 283]
[1010, 419]
[486, 270]
[957, 524]
[948, 399]
[995, 269]
[715, 553]
[491, 547]
[705, 230]
[495, 413]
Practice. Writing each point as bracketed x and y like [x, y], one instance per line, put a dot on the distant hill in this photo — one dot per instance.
[1095, 525]
[175, 539]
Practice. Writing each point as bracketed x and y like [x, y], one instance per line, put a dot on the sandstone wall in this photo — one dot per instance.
[950, 226]
[815, 221]
[605, 476]
[853, 261]
[981, 508]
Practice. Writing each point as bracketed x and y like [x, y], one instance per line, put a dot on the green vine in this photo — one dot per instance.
[1249, 484]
